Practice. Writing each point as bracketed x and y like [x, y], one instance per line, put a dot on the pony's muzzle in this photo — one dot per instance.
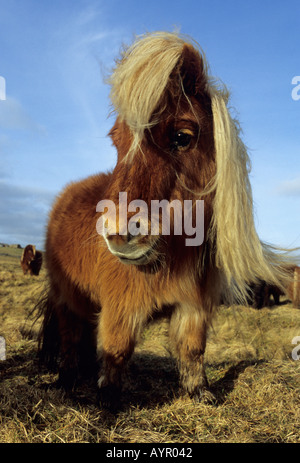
[131, 248]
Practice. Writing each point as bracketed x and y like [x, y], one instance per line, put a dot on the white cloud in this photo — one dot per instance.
[289, 187]
[14, 116]
[23, 213]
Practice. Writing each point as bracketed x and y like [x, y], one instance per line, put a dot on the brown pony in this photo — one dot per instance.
[31, 260]
[176, 142]
[261, 294]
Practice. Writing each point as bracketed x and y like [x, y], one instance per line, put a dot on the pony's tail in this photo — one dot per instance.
[48, 336]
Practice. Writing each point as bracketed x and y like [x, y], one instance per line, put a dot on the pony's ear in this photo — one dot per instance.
[121, 138]
[192, 70]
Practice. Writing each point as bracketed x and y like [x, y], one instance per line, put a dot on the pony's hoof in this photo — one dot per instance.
[67, 379]
[205, 396]
[109, 397]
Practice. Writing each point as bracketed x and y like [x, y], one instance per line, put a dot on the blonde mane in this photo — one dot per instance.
[137, 86]
[243, 258]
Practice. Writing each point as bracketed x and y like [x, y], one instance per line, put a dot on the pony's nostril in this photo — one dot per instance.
[133, 230]
[129, 237]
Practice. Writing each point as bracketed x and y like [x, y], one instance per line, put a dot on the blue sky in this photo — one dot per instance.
[54, 57]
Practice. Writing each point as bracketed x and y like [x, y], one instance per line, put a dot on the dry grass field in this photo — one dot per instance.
[249, 367]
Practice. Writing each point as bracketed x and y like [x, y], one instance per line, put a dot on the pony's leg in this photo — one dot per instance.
[188, 328]
[67, 343]
[58, 340]
[116, 340]
[70, 328]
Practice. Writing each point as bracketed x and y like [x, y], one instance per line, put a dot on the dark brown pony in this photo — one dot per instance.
[261, 294]
[31, 260]
[176, 141]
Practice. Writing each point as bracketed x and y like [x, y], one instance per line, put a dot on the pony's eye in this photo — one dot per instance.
[181, 140]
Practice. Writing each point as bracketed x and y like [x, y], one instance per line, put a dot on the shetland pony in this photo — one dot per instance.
[261, 295]
[31, 260]
[175, 140]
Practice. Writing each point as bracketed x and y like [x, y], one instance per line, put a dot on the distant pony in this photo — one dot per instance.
[110, 271]
[261, 295]
[31, 260]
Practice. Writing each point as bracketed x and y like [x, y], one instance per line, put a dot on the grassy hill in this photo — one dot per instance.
[249, 367]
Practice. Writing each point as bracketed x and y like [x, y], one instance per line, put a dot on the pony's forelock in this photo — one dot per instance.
[141, 78]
